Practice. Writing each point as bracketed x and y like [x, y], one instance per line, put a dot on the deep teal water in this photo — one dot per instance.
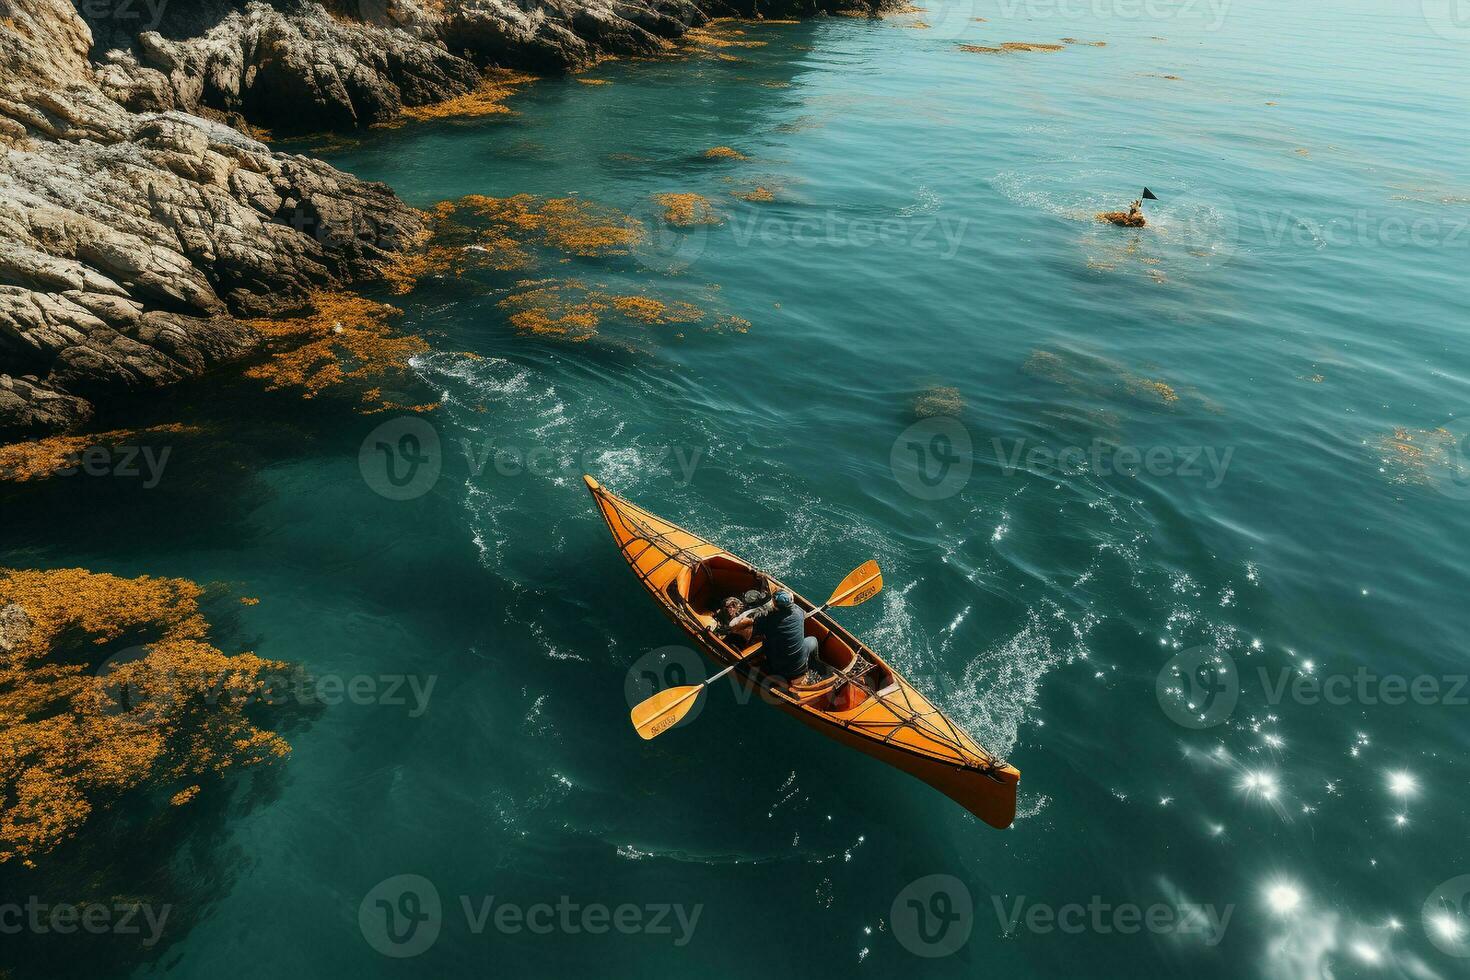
[1300, 292]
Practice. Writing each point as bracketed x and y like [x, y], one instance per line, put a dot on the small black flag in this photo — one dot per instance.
[1148, 195]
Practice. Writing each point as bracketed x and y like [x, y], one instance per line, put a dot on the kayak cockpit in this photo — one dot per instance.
[848, 675]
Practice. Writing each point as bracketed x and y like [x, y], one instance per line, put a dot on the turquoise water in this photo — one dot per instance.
[1290, 321]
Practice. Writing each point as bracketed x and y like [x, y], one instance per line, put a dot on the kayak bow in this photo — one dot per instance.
[865, 704]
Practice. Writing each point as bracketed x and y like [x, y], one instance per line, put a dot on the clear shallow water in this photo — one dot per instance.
[932, 227]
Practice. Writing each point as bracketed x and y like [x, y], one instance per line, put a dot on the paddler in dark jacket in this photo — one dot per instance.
[781, 625]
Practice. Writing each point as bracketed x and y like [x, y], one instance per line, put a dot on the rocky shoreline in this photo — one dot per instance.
[142, 226]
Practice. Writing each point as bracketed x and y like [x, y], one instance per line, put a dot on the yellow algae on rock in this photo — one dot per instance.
[723, 153]
[345, 338]
[75, 740]
[685, 210]
[488, 99]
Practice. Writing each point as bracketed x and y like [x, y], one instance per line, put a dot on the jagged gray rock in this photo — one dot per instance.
[137, 227]
[132, 243]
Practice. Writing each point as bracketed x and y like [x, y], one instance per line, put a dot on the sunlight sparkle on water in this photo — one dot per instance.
[1445, 925]
[1263, 783]
[1366, 953]
[1402, 784]
[1283, 898]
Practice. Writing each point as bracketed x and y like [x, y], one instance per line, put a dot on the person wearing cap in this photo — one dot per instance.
[781, 626]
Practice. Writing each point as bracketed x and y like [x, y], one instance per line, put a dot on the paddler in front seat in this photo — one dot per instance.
[781, 626]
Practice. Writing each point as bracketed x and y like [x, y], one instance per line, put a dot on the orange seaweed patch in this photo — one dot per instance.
[722, 37]
[573, 310]
[567, 223]
[38, 459]
[685, 210]
[488, 99]
[346, 338]
[730, 323]
[73, 743]
[649, 310]
[1122, 219]
[759, 195]
[723, 153]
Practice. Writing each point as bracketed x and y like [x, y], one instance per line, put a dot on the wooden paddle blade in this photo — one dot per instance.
[664, 710]
[861, 584]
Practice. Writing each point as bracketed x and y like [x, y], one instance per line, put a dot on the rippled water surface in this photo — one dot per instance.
[1283, 347]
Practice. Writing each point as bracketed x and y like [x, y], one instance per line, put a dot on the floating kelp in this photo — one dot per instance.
[593, 81]
[167, 715]
[345, 339]
[1009, 47]
[1422, 456]
[569, 224]
[723, 153]
[713, 38]
[1124, 219]
[41, 458]
[1090, 44]
[571, 309]
[488, 99]
[1097, 377]
[685, 210]
[758, 195]
[938, 400]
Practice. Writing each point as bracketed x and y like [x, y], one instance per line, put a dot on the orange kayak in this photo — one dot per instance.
[864, 703]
